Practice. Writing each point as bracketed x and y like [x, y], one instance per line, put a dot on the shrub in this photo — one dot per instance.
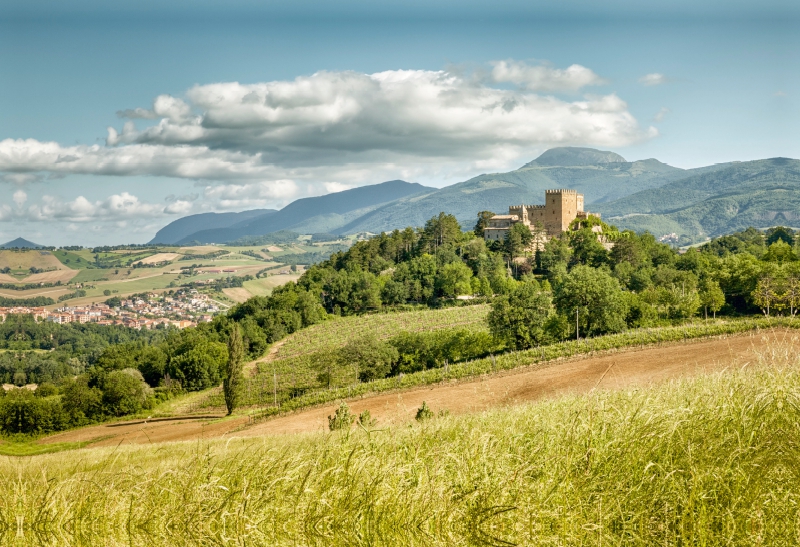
[124, 392]
[424, 413]
[341, 419]
[366, 420]
[373, 357]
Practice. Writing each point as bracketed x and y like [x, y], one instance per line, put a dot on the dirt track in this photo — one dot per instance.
[637, 367]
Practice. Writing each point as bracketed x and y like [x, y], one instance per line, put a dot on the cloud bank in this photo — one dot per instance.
[264, 144]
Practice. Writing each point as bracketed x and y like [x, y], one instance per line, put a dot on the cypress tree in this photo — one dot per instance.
[232, 383]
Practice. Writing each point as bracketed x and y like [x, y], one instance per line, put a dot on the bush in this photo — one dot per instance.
[341, 419]
[372, 357]
[22, 412]
[424, 413]
[124, 392]
[366, 420]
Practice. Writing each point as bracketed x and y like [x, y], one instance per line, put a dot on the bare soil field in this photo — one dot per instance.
[202, 249]
[51, 277]
[5, 278]
[627, 369]
[160, 257]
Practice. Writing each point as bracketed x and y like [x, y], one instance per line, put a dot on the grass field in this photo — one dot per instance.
[707, 461]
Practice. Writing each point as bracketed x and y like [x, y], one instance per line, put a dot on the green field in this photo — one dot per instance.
[118, 275]
[707, 461]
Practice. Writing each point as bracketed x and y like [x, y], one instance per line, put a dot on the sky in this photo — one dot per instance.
[118, 117]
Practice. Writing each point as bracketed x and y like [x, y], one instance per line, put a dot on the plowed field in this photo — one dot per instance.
[621, 370]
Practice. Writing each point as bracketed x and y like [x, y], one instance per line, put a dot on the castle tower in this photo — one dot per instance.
[561, 208]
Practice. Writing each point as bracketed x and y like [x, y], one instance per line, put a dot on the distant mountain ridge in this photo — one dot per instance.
[179, 229]
[709, 203]
[322, 214]
[20, 243]
[640, 195]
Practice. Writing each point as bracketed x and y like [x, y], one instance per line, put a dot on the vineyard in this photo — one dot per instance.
[294, 370]
[290, 383]
[336, 333]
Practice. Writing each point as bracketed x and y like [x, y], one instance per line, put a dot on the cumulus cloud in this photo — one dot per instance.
[116, 207]
[653, 79]
[266, 143]
[545, 78]
[253, 195]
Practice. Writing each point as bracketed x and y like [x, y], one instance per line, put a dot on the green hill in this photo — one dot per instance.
[759, 193]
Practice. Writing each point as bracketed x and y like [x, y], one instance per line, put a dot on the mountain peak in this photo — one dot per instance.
[20, 243]
[570, 156]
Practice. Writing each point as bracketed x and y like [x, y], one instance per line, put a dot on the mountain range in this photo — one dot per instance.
[694, 204]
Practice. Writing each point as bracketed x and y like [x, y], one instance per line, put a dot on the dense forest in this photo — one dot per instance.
[575, 286]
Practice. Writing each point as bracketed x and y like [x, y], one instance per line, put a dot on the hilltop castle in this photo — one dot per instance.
[560, 208]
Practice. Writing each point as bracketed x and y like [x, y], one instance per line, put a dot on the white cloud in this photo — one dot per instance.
[543, 77]
[661, 114]
[116, 207]
[265, 144]
[20, 197]
[251, 196]
[653, 79]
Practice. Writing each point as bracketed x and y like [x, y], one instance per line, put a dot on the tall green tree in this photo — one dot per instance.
[519, 318]
[482, 223]
[233, 380]
[711, 297]
[597, 297]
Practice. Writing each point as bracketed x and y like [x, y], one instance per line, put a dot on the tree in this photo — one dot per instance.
[81, 402]
[371, 357]
[440, 230]
[124, 392]
[454, 279]
[779, 233]
[232, 379]
[518, 240]
[764, 294]
[198, 363]
[597, 298]
[711, 297]
[483, 221]
[519, 318]
[587, 249]
[792, 293]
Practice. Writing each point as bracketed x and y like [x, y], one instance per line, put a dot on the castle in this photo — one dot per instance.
[546, 221]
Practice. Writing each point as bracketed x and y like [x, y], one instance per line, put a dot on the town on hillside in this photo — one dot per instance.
[180, 309]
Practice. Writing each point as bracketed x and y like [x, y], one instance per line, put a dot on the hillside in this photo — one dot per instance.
[759, 193]
[313, 215]
[179, 229]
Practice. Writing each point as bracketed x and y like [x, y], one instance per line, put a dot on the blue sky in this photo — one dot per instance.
[260, 103]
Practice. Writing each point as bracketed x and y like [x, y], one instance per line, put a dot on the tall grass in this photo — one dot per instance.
[707, 461]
